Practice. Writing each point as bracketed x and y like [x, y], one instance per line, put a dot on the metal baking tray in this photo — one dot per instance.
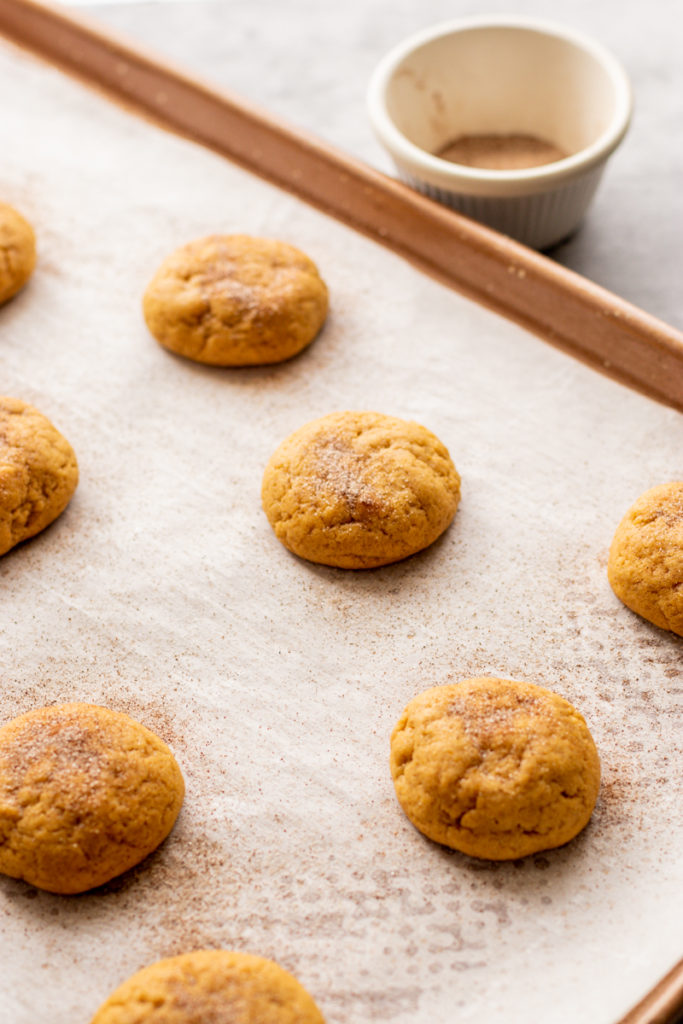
[532, 293]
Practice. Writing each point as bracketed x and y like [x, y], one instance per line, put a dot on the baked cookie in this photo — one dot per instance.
[359, 489]
[645, 567]
[38, 472]
[85, 793]
[234, 300]
[210, 987]
[17, 252]
[495, 768]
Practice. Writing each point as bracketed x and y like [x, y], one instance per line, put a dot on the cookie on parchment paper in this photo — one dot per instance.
[359, 490]
[495, 768]
[85, 794]
[645, 567]
[210, 987]
[17, 252]
[38, 472]
[236, 300]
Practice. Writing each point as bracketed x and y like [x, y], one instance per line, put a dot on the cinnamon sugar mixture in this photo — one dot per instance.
[501, 152]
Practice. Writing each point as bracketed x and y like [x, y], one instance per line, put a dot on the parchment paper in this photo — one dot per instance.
[163, 592]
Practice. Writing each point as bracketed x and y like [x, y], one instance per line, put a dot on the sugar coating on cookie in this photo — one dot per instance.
[38, 472]
[234, 300]
[359, 489]
[495, 768]
[210, 987]
[17, 252]
[645, 567]
[85, 794]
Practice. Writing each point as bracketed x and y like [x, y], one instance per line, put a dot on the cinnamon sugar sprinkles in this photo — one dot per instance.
[359, 490]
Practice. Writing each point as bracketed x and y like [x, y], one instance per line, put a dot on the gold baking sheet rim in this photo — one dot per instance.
[560, 306]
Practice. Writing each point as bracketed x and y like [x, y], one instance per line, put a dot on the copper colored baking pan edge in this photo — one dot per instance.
[562, 307]
[663, 1004]
[585, 320]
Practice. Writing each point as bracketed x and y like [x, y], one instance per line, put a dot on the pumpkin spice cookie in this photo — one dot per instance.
[17, 252]
[358, 490]
[645, 567]
[85, 794]
[210, 987]
[495, 768]
[234, 300]
[38, 472]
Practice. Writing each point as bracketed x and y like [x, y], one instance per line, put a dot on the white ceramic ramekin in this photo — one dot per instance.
[503, 75]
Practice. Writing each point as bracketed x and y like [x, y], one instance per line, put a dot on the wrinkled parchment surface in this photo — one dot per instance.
[162, 592]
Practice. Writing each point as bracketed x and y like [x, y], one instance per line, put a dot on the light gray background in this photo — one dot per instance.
[310, 60]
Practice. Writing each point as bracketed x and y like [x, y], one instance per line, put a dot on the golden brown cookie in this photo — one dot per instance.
[17, 252]
[359, 489]
[38, 472]
[234, 300]
[85, 793]
[495, 768]
[210, 987]
[645, 567]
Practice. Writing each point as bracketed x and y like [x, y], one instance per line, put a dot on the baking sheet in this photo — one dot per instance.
[163, 592]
